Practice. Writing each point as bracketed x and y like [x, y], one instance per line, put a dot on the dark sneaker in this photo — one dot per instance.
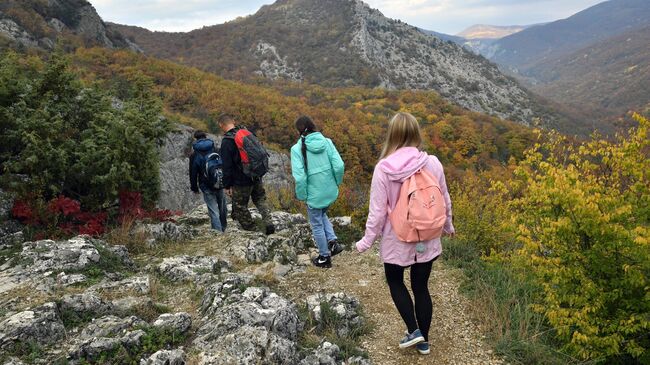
[270, 229]
[423, 348]
[322, 261]
[412, 339]
[335, 247]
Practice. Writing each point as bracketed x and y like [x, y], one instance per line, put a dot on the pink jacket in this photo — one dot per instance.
[384, 192]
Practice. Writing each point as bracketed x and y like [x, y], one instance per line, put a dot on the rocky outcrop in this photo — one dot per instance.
[166, 357]
[177, 322]
[345, 307]
[175, 193]
[56, 19]
[41, 325]
[254, 327]
[192, 268]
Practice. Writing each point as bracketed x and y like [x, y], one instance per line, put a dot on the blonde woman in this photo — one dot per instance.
[401, 158]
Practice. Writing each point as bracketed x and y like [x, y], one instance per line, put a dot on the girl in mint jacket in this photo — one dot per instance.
[318, 170]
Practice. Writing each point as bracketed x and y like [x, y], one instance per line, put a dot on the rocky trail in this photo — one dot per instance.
[181, 294]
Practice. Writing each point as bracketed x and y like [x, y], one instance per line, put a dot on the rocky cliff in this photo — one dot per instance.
[175, 191]
[40, 24]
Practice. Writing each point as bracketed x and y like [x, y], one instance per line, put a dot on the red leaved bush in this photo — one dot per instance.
[64, 217]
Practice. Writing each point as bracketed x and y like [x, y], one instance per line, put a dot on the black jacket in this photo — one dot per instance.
[197, 178]
[233, 171]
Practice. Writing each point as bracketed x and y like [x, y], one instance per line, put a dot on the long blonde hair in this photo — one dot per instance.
[403, 131]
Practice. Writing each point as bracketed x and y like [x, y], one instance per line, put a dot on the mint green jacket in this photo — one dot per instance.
[319, 186]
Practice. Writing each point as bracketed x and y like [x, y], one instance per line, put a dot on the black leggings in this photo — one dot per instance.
[420, 273]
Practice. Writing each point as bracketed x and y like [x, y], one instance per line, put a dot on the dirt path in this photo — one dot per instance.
[454, 338]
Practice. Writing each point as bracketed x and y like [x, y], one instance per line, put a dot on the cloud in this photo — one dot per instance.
[449, 16]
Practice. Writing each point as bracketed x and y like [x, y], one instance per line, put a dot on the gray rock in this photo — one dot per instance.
[165, 231]
[165, 357]
[347, 308]
[137, 284]
[358, 360]
[196, 216]
[225, 292]
[92, 349]
[196, 268]
[111, 326]
[178, 322]
[325, 354]
[255, 308]
[13, 361]
[74, 254]
[341, 221]
[41, 325]
[86, 304]
[284, 220]
[72, 279]
[129, 304]
[175, 191]
[252, 346]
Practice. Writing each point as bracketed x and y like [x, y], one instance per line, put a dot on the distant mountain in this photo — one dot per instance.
[343, 43]
[40, 24]
[483, 31]
[444, 37]
[610, 76]
[522, 50]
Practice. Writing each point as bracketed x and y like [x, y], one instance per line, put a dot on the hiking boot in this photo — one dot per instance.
[335, 247]
[322, 261]
[412, 339]
[423, 348]
[270, 229]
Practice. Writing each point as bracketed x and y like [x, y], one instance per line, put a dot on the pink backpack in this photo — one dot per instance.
[421, 212]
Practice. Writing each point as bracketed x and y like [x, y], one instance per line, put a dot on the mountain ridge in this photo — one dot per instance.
[338, 43]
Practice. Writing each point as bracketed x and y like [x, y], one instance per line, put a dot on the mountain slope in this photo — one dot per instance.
[612, 76]
[444, 37]
[41, 23]
[342, 43]
[553, 40]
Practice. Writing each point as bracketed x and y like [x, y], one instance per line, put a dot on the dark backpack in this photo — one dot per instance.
[213, 171]
[254, 157]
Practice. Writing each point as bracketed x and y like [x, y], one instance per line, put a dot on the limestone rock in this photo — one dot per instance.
[165, 231]
[178, 322]
[347, 308]
[84, 304]
[181, 268]
[41, 325]
[255, 327]
[166, 357]
[325, 354]
[110, 326]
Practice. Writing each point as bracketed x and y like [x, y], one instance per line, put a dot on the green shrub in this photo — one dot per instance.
[60, 137]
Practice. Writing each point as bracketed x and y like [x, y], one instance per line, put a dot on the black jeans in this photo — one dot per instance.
[418, 316]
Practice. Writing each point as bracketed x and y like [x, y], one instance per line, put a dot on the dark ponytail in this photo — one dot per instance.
[305, 125]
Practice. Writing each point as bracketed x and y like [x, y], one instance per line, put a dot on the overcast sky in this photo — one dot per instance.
[447, 16]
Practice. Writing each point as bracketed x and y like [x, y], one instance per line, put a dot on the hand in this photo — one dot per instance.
[450, 234]
[228, 192]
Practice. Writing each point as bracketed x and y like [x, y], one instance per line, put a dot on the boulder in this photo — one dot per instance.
[41, 325]
[325, 354]
[228, 291]
[164, 231]
[346, 308]
[84, 305]
[254, 327]
[166, 357]
[111, 326]
[194, 268]
[177, 322]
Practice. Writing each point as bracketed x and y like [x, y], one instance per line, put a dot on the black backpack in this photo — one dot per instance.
[213, 171]
[254, 157]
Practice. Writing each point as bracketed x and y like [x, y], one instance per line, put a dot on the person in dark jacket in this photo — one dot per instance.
[214, 199]
[237, 184]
